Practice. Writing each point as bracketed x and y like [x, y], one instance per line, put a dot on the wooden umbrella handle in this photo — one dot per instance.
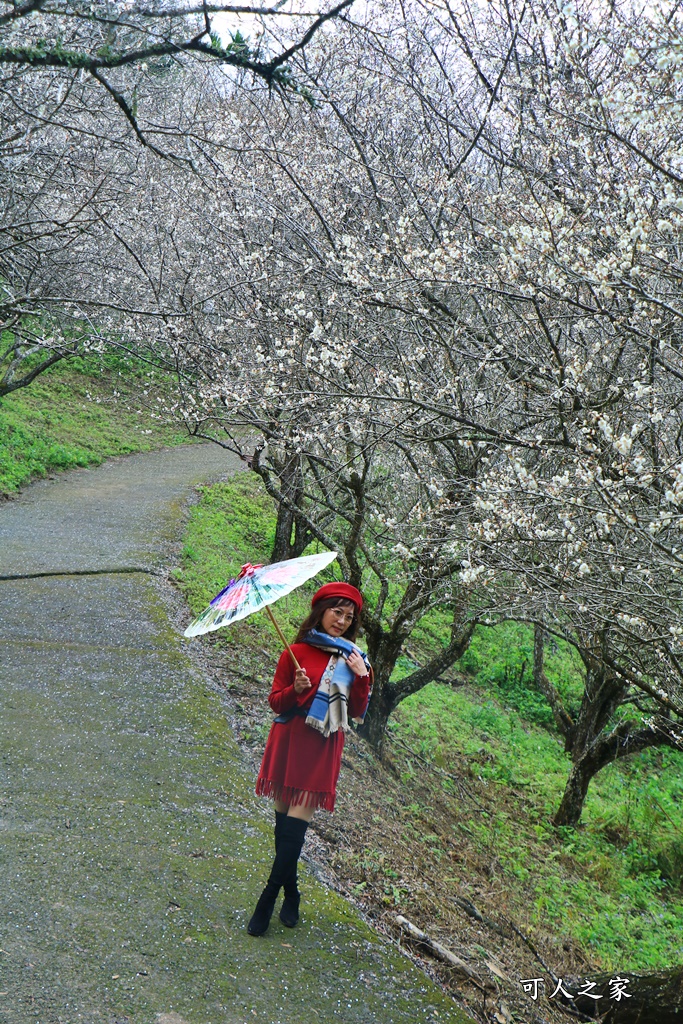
[282, 637]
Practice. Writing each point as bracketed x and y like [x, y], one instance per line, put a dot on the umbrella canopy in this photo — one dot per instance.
[256, 587]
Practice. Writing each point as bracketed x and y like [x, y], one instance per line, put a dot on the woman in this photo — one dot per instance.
[303, 753]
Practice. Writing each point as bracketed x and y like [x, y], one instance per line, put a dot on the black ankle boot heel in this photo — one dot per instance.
[289, 913]
[264, 911]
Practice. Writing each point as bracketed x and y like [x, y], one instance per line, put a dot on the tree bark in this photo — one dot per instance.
[571, 805]
[628, 737]
[383, 655]
[374, 727]
[283, 534]
[563, 719]
[384, 652]
[654, 997]
[291, 535]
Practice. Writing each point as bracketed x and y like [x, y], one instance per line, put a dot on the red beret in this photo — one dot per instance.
[344, 590]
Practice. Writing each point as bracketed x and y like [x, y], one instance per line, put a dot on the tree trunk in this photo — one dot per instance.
[384, 651]
[569, 811]
[589, 749]
[283, 534]
[374, 727]
[563, 719]
[383, 700]
[302, 538]
[291, 535]
[653, 997]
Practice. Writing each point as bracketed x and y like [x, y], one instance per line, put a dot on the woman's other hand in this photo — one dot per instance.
[356, 664]
[301, 681]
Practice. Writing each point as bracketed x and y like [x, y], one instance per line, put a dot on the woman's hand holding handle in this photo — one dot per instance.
[301, 681]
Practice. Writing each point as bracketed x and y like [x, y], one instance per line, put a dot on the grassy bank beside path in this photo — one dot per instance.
[459, 812]
[79, 413]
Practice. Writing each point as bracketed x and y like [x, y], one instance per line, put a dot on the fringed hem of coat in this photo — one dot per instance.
[295, 797]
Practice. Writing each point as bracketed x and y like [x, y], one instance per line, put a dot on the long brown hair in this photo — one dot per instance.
[315, 617]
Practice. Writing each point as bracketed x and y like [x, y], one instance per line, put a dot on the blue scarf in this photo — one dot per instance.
[329, 710]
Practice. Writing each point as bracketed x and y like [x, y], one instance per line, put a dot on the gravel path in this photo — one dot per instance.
[131, 845]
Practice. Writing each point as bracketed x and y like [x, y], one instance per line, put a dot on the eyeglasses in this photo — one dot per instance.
[341, 613]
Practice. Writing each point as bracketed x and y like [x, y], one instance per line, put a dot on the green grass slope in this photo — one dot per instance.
[77, 414]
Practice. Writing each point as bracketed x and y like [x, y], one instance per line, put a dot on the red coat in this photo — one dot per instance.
[300, 765]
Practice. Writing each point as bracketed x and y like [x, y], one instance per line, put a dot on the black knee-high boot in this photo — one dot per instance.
[292, 836]
[280, 817]
[289, 837]
[263, 912]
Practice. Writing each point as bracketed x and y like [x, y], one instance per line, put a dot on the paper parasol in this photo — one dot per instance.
[258, 586]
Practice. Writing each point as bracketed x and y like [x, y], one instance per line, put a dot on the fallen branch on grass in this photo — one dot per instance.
[442, 953]
[568, 1006]
[472, 912]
